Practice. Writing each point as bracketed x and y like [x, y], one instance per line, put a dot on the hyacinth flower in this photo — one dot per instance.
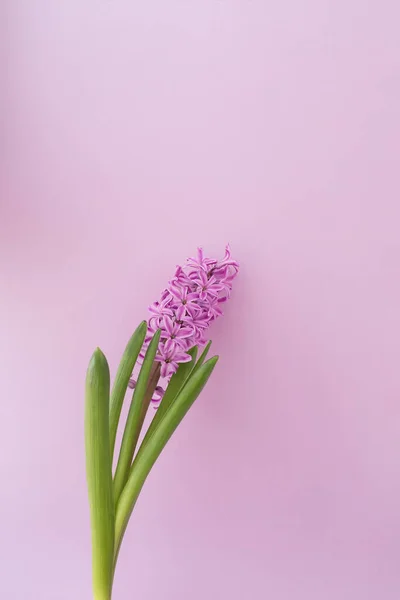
[161, 365]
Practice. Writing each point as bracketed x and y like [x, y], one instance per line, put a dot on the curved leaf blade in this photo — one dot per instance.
[149, 452]
[175, 385]
[122, 377]
[202, 357]
[147, 381]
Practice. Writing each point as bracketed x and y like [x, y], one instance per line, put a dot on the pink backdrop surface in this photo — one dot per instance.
[131, 133]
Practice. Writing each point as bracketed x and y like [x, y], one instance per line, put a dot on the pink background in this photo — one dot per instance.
[131, 133]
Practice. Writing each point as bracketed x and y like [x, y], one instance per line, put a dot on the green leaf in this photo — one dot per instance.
[98, 473]
[150, 451]
[124, 373]
[175, 385]
[147, 381]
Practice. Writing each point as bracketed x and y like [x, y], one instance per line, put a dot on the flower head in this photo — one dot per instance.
[190, 303]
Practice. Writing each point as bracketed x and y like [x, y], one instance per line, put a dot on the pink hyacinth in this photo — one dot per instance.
[188, 306]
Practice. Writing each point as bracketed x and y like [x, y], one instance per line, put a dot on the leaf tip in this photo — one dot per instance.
[97, 357]
[209, 365]
[97, 364]
[157, 336]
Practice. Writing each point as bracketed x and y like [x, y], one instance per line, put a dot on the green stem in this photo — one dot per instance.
[101, 596]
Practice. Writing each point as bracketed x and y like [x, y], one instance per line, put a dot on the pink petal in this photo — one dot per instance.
[168, 324]
[184, 332]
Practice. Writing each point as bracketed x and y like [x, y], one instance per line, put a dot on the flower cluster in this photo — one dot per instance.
[190, 303]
